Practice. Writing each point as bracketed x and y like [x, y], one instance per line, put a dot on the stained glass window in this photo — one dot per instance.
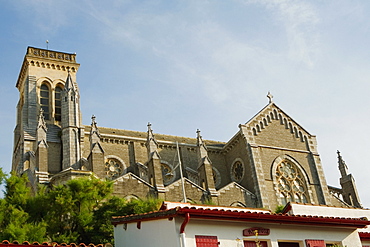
[44, 100]
[237, 171]
[290, 183]
[58, 103]
[113, 169]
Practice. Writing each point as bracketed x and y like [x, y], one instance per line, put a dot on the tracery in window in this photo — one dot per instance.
[113, 169]
[168, 173]
[44, 100]
[237, 171]
[58, 103]
[290, 183]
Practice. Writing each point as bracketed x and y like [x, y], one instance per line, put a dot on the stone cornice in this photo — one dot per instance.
[47, 59]
[51, 55]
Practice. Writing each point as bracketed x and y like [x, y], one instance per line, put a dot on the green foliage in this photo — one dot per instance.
[2, 176]
[79, 211]
[279, 209]
[72, 206]
[15, 222]
[209, 202]
[103, 229]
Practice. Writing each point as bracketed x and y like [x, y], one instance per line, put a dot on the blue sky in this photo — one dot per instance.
[183, 65]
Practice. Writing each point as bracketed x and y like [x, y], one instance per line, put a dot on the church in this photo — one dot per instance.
[271, 160]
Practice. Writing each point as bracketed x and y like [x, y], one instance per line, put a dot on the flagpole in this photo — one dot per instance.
[182, 178]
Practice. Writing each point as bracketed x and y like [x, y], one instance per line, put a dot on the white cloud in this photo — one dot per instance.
[45, 16]
[300, 20]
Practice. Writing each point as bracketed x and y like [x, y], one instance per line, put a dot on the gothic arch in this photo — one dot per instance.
[293, 185]
[43, 80]
[58, 82]
[238, 204]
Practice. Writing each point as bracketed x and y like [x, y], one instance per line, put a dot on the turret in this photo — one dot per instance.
[349, 190]
[71, 125]
[155, 175]
[96, 157]
[205, 170]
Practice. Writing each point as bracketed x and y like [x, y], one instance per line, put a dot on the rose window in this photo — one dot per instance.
[113, 169]
[237, 171]
[290, 183]
[168, 173]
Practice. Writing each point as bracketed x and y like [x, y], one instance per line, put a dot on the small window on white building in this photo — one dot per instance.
[288, 244]
[206, 241]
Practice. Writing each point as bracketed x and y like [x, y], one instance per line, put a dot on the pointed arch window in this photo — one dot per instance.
[291, 184]
[45, 100]
[58, 103]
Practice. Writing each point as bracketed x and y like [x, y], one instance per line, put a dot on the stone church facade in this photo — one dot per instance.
[270, 161]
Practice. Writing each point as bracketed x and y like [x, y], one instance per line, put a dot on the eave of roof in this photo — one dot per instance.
[229, 215]
[6, 243]
[364, 236]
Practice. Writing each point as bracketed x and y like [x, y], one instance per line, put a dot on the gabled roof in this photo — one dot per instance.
[271, 107]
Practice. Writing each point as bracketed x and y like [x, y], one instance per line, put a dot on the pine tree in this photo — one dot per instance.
[78, 211]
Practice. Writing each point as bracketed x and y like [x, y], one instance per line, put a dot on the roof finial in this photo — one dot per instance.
[342, 165]
[198, 133]
[47, 44]
[151, 143]
[269, 95]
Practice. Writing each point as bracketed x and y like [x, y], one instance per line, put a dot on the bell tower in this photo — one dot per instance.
[40, 83]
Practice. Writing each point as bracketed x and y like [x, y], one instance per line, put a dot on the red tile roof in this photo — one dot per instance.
[234, 215]
[6, 243]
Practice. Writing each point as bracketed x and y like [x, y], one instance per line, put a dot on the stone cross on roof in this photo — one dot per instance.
[269, 95]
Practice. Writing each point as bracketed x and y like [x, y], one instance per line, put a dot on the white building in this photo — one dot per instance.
[186, 225]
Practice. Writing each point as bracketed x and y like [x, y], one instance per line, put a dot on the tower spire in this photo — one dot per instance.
[342, 165]
[205, 168]
[151, 143]
[94, 133]
[348, 184]
[155, 172]
[71, 125]
[202, 149]
[69, 83]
